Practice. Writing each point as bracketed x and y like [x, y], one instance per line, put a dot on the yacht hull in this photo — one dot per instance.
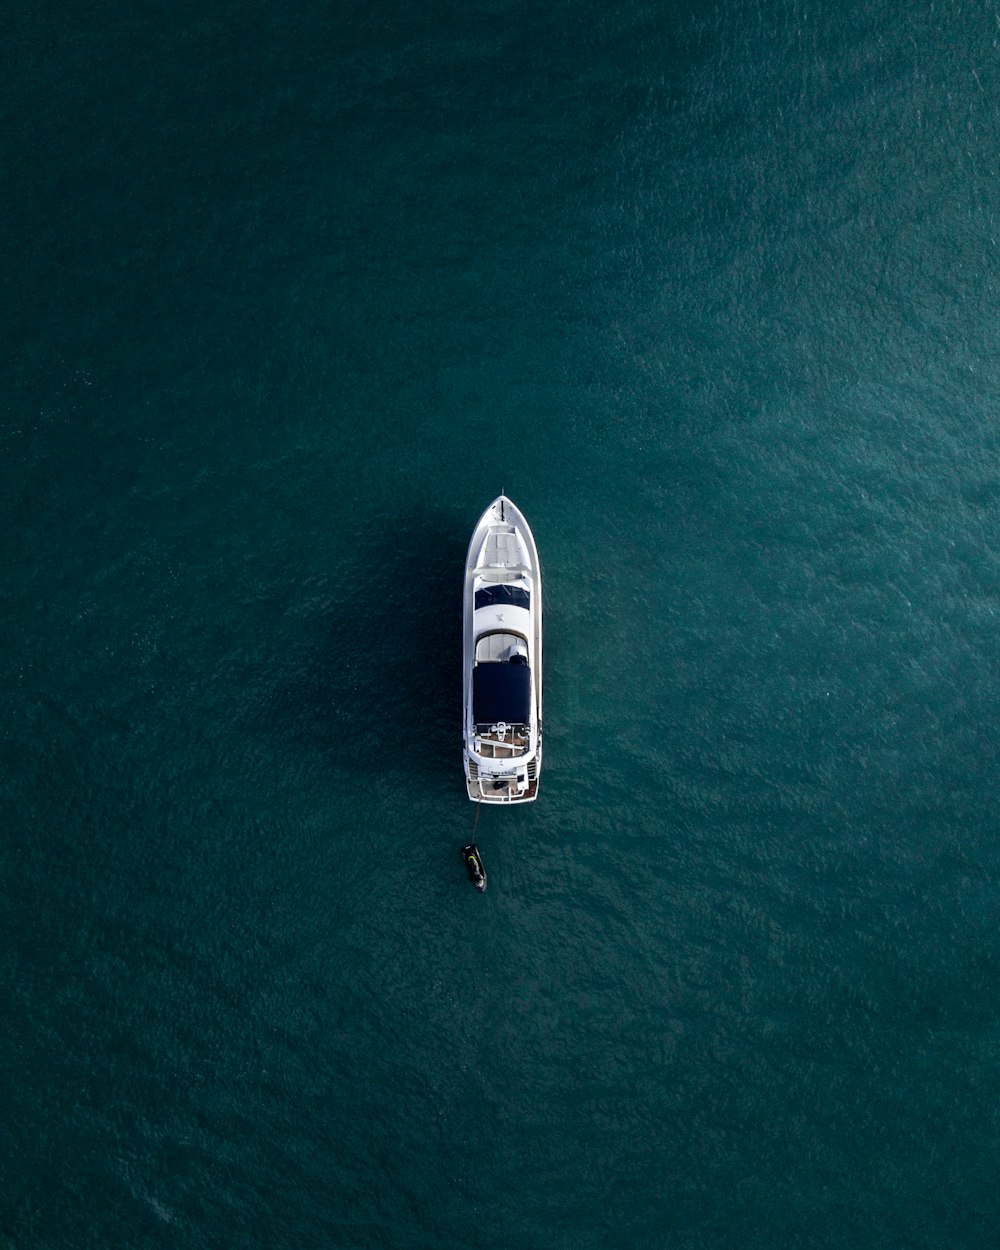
[502, 654]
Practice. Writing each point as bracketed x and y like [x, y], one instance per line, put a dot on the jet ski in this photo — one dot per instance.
[474, 866]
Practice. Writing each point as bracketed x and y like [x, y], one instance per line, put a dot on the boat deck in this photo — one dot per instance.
[492, 746]
[505, 793]
[502, 559]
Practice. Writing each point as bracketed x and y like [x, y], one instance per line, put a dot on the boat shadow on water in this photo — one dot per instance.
[374, 674]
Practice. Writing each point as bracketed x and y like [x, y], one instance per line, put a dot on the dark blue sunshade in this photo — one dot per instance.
[501, 692]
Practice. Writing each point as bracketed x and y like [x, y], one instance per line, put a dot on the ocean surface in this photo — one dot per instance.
[289, 294]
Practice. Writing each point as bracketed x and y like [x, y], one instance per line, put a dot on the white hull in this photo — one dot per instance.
[502, 690]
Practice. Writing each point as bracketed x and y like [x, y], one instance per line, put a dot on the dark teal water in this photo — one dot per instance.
[289, 295]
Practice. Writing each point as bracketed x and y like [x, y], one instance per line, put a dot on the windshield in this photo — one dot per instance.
[502, 596]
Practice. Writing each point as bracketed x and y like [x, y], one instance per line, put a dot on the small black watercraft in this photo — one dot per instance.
[474, 866]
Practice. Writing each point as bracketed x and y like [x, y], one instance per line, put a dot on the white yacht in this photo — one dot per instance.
[503, 659]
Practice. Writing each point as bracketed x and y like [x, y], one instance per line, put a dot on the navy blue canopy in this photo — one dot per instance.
[501, 692]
